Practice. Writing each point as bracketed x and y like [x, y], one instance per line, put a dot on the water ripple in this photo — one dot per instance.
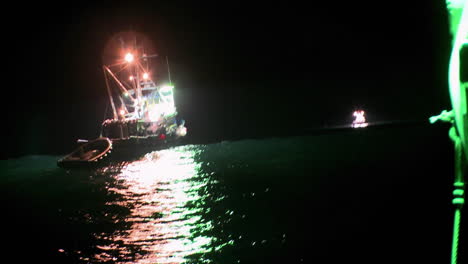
[165, 193]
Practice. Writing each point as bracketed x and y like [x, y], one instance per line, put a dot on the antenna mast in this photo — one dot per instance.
[168, 70]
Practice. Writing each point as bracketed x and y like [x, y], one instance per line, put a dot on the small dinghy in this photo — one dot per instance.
[87, 154]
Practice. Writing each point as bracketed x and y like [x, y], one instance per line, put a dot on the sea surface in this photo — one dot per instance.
[359, 196]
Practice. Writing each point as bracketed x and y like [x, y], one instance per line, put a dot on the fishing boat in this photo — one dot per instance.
[144, 116]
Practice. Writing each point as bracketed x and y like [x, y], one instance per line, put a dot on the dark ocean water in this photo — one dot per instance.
[362, 196]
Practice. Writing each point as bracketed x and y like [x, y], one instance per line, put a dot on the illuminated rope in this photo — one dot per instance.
[456, 232]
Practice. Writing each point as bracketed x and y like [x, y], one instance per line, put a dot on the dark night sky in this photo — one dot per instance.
[241, 69]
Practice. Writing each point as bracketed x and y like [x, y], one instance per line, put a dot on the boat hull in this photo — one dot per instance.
[119, 150]
[88, 154]
[134, 147]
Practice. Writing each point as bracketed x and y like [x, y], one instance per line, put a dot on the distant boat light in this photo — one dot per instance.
[131, 78]
[359, 115]
[360, 119]
[129, 57]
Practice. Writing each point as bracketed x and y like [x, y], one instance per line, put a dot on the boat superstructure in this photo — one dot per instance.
[142, 105]
[144, 116]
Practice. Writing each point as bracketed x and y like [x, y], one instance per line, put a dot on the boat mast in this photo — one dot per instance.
[122, 87]
[168, 70]
[109, 93]
[136, 69]
[138, 90]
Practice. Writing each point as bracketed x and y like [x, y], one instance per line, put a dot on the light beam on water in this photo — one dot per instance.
[156, 189]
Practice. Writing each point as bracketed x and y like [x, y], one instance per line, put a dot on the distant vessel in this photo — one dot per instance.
[144, 116]
[360, 119]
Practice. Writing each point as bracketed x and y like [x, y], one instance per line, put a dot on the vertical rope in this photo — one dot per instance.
[459, 190]
[456, 231]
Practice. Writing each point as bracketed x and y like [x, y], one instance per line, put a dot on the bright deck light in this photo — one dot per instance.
[167, 88]
[129, 57]
[145, 75]
[131, 78]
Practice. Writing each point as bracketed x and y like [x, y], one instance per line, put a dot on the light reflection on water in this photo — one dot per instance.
[159, 225]
[294, 200]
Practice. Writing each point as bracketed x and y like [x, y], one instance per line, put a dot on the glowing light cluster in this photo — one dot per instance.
[166, 107]
[181, 131]
[129, 57]
[156, 111]
[167, 88]
[359, 116]
[360, 119]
